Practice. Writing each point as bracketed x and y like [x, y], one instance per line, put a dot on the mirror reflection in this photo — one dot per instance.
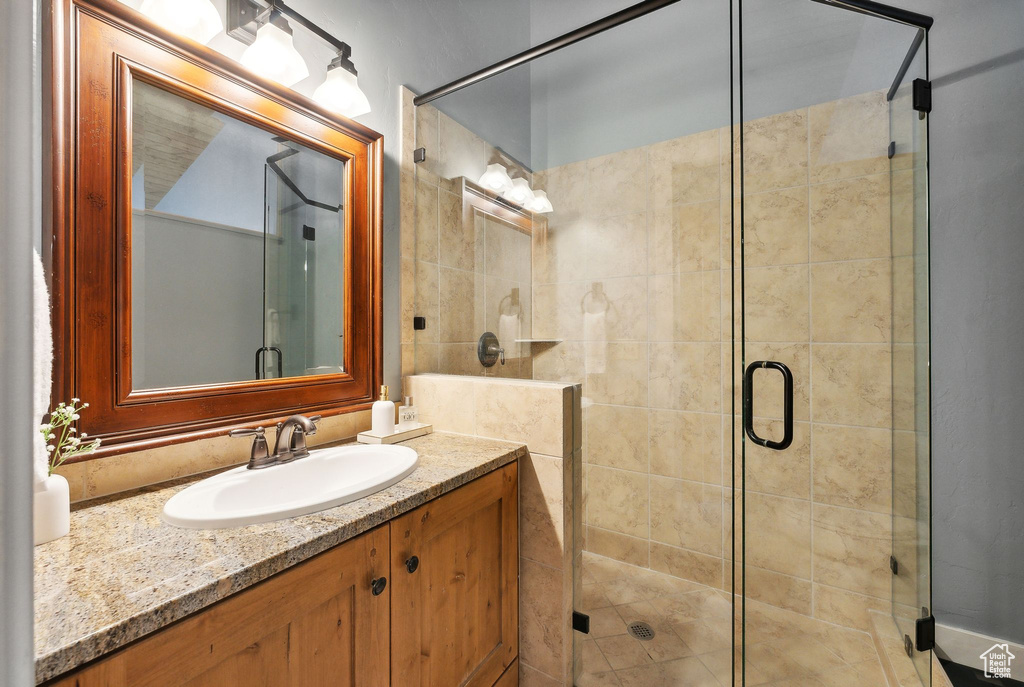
[238, 249]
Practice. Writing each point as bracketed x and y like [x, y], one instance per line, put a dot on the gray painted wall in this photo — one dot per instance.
[977, 206]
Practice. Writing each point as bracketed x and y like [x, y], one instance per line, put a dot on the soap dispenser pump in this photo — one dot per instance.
[383, 414]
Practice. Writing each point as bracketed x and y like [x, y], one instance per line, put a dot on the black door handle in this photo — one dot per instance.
[748, 404]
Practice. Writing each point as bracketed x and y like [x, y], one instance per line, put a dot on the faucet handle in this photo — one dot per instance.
[246, 432]
[313, 419]
[259, 457]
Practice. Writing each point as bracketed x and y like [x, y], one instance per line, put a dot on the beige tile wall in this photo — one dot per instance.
[644, 235]
[544, 416]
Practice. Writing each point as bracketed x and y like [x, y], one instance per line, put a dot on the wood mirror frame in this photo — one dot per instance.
[97, 48]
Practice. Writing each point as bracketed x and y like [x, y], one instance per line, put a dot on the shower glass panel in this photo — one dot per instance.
[304, 249]
[831, 248]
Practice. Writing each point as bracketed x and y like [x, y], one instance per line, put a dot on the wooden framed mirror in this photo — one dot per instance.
[216, 244]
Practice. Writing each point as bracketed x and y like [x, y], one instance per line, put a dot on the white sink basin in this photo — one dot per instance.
[326, 478]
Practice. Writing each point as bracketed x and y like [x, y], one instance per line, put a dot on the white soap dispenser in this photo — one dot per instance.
[383, 414]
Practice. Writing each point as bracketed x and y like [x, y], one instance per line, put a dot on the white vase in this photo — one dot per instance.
[52, 509]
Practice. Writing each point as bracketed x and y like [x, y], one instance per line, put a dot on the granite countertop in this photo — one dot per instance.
[123, 573]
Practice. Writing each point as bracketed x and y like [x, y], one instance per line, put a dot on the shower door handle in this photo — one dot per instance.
[748, 404]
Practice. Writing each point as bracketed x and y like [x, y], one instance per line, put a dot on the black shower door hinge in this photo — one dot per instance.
[581, 622]
[922, 95]
[419, 155]
[925, 640]
[894, 565]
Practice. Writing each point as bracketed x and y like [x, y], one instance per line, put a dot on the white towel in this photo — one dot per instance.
[42, 369]
[508, 332]
[272, 334]
[595, 337]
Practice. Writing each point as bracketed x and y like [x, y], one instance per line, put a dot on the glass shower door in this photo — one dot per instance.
[830, 367]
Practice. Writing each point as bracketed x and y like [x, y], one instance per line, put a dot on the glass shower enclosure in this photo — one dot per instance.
[734, 266]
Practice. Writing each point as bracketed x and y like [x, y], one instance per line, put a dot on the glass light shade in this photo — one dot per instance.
[520, 193]
[195, 19]
[496, 179]
[540, 203]
[274, 56]
[340, 93]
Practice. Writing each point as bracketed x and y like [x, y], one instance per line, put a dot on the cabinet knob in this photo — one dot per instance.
[377, 586]
[412, 564]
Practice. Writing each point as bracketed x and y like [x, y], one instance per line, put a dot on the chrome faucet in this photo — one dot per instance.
[290, 445]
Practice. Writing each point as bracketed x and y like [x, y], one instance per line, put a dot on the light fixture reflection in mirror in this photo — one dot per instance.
[520, 193]
[496, 179]
[540, 203]
[274, 56]
[195, 19]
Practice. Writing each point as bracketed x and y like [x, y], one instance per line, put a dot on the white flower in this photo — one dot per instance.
[50, 448]
[74, 400]
[75, 416]
[72, 430]
[85, 405]
[84, 435]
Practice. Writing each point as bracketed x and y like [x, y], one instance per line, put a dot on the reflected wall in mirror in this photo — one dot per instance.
[237, 242]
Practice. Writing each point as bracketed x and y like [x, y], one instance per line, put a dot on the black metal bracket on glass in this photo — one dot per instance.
[581, 622]
[280, 361]
[748, 404]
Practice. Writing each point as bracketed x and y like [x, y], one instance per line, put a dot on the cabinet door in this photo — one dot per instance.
[317, 623]
[455, 613]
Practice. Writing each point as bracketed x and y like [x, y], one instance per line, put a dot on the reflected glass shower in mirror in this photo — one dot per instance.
[237, 249]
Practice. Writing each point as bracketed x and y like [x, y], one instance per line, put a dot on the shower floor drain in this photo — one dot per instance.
[641, 630]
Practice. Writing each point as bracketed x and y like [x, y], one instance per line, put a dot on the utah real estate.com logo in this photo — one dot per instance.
[997, 661]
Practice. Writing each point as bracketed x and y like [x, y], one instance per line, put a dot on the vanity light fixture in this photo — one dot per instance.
[496, 179]
[195, 19]
[340, 92]
[520, 193]
[273, 53]
[540, 203]
[247, 21]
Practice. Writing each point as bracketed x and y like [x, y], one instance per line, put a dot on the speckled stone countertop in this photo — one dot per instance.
[123, 573]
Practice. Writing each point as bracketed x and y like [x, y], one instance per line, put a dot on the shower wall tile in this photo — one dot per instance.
[617, 183]
[775, 152]
[541, 518]
[559, 253]
[685, 376]
[568, 184]
[852, 301]
[684, 170]
[621, 547]
[623, 499]
[617, 437]
[460, 244]
[685, 238]
[677, 307]
[689, 565]
[851, 384]
[778, 534]
[775, 227]
[849, 137]
[776, 303]
[776, 589]
[851, 549]
[687, 515]
[626, 316]
[463, 313]
[676, 444]
[846, 608]
[616, 246]
[427, 301]
[616, 373]
[559, 363]
[853, 467]
[850, 219]
[426, 222]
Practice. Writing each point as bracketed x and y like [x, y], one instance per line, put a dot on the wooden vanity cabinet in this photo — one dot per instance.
[318, 623]
[450, 619]
[455, 586]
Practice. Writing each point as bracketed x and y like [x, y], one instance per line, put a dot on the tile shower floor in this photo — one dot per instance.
[692, 640]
